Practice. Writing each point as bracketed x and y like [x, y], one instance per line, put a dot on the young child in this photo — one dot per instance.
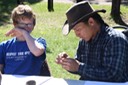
[23, 54]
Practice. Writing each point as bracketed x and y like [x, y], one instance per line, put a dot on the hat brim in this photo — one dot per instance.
[67, 28]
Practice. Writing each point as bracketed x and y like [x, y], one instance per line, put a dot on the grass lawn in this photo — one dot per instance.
[49, 26]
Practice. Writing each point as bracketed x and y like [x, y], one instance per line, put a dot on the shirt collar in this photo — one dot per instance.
[103, 29]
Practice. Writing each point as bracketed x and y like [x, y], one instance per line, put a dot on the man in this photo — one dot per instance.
[23, 54]
[102, 51]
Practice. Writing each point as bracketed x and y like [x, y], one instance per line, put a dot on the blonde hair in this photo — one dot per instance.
[22, 11]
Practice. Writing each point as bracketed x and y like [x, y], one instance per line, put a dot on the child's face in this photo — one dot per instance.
[26, 24]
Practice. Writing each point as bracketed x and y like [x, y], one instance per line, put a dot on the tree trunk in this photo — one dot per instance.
[20, 2]
[50, 5]
[115, 12]
[78, 1]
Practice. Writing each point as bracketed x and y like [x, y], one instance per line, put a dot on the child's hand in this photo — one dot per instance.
[15, 32]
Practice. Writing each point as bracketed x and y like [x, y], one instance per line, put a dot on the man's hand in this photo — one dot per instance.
[70, 64]
[60, 57]
[67, 63]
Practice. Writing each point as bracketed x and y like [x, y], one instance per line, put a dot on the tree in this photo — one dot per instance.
[115, 12]
[78, 0]
[20, 1]
[50, 5]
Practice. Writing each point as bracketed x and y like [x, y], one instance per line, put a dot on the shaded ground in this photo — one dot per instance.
[6, 6]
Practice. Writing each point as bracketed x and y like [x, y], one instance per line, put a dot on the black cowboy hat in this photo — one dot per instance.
[77, 13]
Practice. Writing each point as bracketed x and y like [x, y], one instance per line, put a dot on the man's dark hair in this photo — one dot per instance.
[97, 18]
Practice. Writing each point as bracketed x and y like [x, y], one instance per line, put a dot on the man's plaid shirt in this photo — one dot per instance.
[105, 58]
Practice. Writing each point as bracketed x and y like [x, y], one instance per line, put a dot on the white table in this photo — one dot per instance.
[21, 80]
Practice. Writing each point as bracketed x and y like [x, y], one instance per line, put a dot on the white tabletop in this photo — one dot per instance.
[21, 80]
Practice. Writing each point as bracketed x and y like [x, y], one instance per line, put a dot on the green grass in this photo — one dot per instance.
[49, 26]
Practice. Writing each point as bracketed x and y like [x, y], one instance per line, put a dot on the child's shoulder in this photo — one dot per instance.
[40, 39]
[8, 41]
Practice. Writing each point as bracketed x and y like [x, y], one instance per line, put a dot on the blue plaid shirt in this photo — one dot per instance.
[104, 58]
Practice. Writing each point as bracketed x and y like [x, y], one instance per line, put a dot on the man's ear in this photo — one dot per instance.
[14, 23]
[91, 21]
